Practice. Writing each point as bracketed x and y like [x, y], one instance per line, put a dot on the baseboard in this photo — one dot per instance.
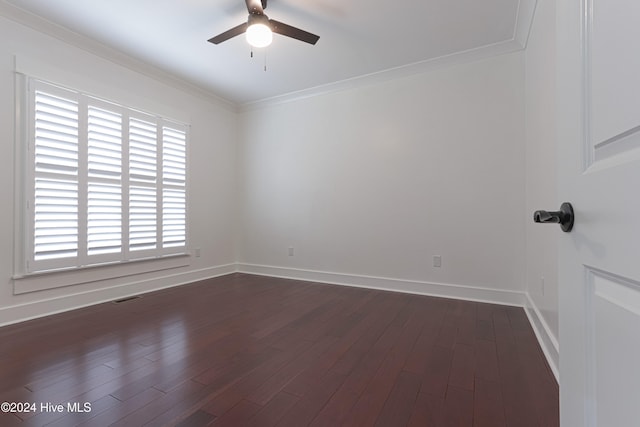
[547, 340]
[470, 293]
[46, 307]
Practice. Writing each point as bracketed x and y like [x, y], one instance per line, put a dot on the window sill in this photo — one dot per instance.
[54, 279]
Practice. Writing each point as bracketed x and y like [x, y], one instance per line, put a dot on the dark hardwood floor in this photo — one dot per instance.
[245, 350]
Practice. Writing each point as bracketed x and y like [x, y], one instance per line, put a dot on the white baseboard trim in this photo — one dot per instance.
[49, 306]
[548, 342]
[469, 293]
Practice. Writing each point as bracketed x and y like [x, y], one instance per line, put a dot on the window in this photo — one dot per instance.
[106, 183]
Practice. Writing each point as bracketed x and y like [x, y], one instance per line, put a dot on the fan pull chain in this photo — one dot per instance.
[265, 58]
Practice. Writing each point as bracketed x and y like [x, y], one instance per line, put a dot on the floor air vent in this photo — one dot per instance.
[121, 300]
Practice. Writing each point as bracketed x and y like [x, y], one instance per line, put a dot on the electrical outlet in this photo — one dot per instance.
[437, 261]
[196, 252]
[290, 250]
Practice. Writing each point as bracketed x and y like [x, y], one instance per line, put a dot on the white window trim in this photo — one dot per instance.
[107, 267]
[76, 276]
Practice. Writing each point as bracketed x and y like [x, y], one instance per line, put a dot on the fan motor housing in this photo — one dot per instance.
[255, 18]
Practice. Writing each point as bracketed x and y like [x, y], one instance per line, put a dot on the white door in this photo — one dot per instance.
[598, 90]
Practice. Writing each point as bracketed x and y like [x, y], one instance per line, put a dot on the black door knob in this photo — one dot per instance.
[564, 217]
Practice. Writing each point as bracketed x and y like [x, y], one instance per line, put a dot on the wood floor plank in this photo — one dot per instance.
[360, 376]
[305, 410]
[10, 420]
[372, 400]
[347, 352]
[428, 410]
[458, 408]
[465, 315]
[484, 330]
[486, 360]
[273, 411]
[537, 376]
[254, 378]
[434, 312]
[399, 405]
[166, 408]
[239, 415]
[120, 411]
[447, 335]
[197, 419]
[487, 406]
[262, 351]
[518, 403]
[436, 372]
[276, 382]
[463, 367]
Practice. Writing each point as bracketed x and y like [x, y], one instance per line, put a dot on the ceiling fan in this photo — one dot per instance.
[259, 28]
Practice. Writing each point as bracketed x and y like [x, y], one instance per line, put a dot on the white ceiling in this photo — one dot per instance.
[357, 37]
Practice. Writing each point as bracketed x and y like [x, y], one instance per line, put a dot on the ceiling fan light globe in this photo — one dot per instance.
[259, 35]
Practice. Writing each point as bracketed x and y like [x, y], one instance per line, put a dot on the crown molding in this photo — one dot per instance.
[41, 25]
[420, 67]
[522, 29]
[524, 20]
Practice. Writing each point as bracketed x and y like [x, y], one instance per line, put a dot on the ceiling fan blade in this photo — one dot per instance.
[293, 32]
[255, 7]
[235, 31]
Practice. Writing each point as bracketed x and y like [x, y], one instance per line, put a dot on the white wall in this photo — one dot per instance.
[541, 244]
[375, 181]
[212, 162]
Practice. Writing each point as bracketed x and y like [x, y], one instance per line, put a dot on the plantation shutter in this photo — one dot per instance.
[104, 189]
[107, 183]
[55, 203]
[174, 173]
[143, 179]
